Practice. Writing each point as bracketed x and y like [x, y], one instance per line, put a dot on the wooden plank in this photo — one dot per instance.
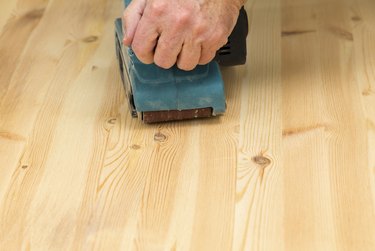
[39, 109]
[259, 205]
[20, 24]
[364, 58]
[325, 133]
[305, 126]
[350, 175]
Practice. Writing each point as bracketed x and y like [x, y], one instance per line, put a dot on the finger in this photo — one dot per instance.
[167, 50]
[189, 56]
[209, 51]
[207, 55]
[130, 19]
[145, 40]
[212, 45]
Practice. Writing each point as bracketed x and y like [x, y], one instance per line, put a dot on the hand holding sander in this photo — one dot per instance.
[158, 95]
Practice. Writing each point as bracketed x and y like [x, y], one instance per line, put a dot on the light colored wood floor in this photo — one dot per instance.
[291, 166]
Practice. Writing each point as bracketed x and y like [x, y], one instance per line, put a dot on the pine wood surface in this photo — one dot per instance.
[291, 165]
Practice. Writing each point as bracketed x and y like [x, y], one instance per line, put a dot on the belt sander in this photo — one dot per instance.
[158, 95]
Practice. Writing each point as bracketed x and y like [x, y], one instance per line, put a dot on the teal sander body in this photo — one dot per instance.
[157, 95]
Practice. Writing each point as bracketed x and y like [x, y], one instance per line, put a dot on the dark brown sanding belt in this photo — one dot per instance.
[164, 116]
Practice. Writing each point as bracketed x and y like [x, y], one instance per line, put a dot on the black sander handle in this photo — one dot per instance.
[235, 51]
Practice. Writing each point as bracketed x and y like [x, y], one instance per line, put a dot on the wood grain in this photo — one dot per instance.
[290, 166]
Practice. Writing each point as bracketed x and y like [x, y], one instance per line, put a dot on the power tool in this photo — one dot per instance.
[155, 94]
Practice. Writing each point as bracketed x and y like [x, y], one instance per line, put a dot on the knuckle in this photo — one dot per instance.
[223, 42]
[163, 47]
[158, 8]
[163, 63]
[212, 39]
[182, 19]
[136, 48]
[207, 56]
[139, 51]
[200, 30]
[218, 39]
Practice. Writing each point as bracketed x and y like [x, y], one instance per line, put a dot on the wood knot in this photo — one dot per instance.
[367, 92]
[109, 123]
[341, 33]
[24, 166]
[112, 121]
[35, 14]
[11, 136]
[261, 161]
[90, 39]
[159, 137]
[356, 18]
[94, 68]
[67, 42]
[135, 147]
[296, 32]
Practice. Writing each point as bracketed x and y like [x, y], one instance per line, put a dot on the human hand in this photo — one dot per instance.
[182, 32]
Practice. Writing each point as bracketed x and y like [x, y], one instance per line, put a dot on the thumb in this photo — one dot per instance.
[130, 19]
